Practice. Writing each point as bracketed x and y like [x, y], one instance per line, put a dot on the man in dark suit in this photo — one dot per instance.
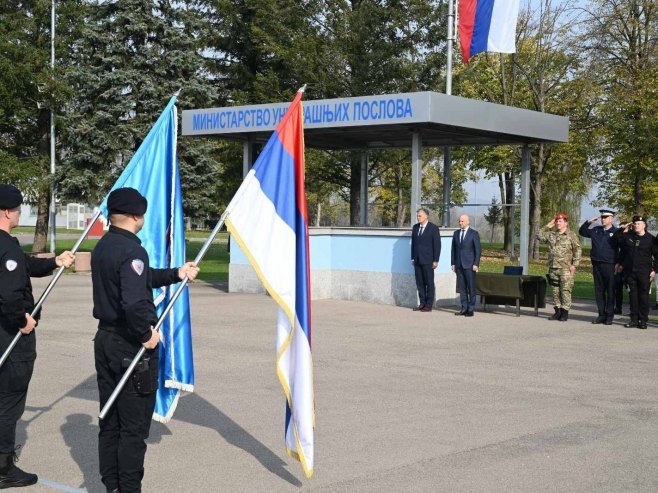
[465, 260]
[425, 251]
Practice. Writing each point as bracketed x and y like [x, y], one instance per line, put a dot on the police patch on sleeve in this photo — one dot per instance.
[138, 266]
[11, 265]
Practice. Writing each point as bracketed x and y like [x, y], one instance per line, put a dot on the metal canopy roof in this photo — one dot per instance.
[385, 121]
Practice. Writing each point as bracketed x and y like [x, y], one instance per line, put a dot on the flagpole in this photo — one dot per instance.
[50, 287]
[177, 293]
[447, 150]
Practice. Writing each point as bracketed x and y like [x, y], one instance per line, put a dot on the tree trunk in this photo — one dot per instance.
[41, 229]
[535, 213]
[506, 210]
[509, 225]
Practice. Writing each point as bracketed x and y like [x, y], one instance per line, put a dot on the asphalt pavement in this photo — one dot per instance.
[405, 401]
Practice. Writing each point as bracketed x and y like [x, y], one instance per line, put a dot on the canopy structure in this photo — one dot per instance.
[407, 120]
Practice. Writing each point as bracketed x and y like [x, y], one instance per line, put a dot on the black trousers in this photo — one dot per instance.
[425, 284]
[466, 286]
[639, 284]
[619, 291]
[122, 435]
[604, 288]
[15, 377]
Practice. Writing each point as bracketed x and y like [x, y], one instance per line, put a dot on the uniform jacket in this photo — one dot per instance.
[16, 299]
[123, 285]
[563, 248]
[466, 254]
[638, 253]
[425, 249]
[605, 247]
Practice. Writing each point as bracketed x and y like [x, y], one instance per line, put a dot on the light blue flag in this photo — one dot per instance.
[153, 171]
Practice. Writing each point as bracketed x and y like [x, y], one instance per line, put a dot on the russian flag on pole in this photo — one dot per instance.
[268, 219]
[487, 25]
[153, 171]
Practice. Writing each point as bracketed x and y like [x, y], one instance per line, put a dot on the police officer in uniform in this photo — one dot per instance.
[604, 255]
[16, 304]
[123, 304]
[639, 262]
[564, 254]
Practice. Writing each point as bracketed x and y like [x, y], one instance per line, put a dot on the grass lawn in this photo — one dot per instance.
[214, 266]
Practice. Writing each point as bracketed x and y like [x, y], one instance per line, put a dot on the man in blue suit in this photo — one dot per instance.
[425, 251]
[465, 260]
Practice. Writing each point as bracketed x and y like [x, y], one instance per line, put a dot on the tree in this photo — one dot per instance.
[621, 38]
[29, 89]
[132, 56]
[493, 216]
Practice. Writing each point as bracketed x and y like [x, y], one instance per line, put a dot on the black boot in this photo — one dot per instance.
[11, 476]
[564, 315]
[556, 315]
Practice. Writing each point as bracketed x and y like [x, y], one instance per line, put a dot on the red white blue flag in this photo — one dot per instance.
[268, 219]
[487, 25]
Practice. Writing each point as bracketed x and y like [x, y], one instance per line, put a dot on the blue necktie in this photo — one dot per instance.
[462, 238]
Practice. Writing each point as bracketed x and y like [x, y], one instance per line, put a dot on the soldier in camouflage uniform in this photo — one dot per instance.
[564, 254]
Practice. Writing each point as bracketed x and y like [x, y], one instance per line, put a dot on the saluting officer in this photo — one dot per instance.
[564, 254]
[16, 304]
[639, 261]
[123, 304]
[604, 254]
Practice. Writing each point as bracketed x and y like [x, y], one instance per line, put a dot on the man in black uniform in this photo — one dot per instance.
[605, 254]
[16, 304]
[638, 263]
[123, 304]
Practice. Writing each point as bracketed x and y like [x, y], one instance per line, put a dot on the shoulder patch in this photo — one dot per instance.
[11, 265]
[138, 266]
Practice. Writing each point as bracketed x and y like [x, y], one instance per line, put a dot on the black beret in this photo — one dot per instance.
[126, 201]
[639, 218]
[606, 212]
[10, 197]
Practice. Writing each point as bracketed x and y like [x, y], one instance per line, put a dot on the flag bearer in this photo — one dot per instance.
[123, 304]
[16, 304]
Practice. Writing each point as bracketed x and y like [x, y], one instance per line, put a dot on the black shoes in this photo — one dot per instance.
[556, 315]
[459, 313]
[564, 315]
[11, 476]
[599, 320]
[641, 325]
[608, 321]
[419, 308]
[631, 324]
[468, 314]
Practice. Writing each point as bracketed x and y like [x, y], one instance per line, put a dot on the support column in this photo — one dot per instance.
[416, 173]
[363, 199]
[247, 156]
[525, 207]
[447, 185]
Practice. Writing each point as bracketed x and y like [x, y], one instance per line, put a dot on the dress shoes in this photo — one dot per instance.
[426, 309]
[419, 308]
[599, 320]
[641, 325]
[631, 324]
[468, 314]
[608, 321]
[460, 312]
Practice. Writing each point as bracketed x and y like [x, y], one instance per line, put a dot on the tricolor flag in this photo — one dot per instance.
[268, 219]
[153, 171]
[487, 25]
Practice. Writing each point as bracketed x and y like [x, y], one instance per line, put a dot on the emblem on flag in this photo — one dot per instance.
[11, 265]
[138, 266]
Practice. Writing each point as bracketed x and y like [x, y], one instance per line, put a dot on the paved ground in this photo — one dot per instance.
[405, 402]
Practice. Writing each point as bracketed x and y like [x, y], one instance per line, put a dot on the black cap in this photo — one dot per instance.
[639, 218]
[606, 212]
[126, 201]
[10, 197]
